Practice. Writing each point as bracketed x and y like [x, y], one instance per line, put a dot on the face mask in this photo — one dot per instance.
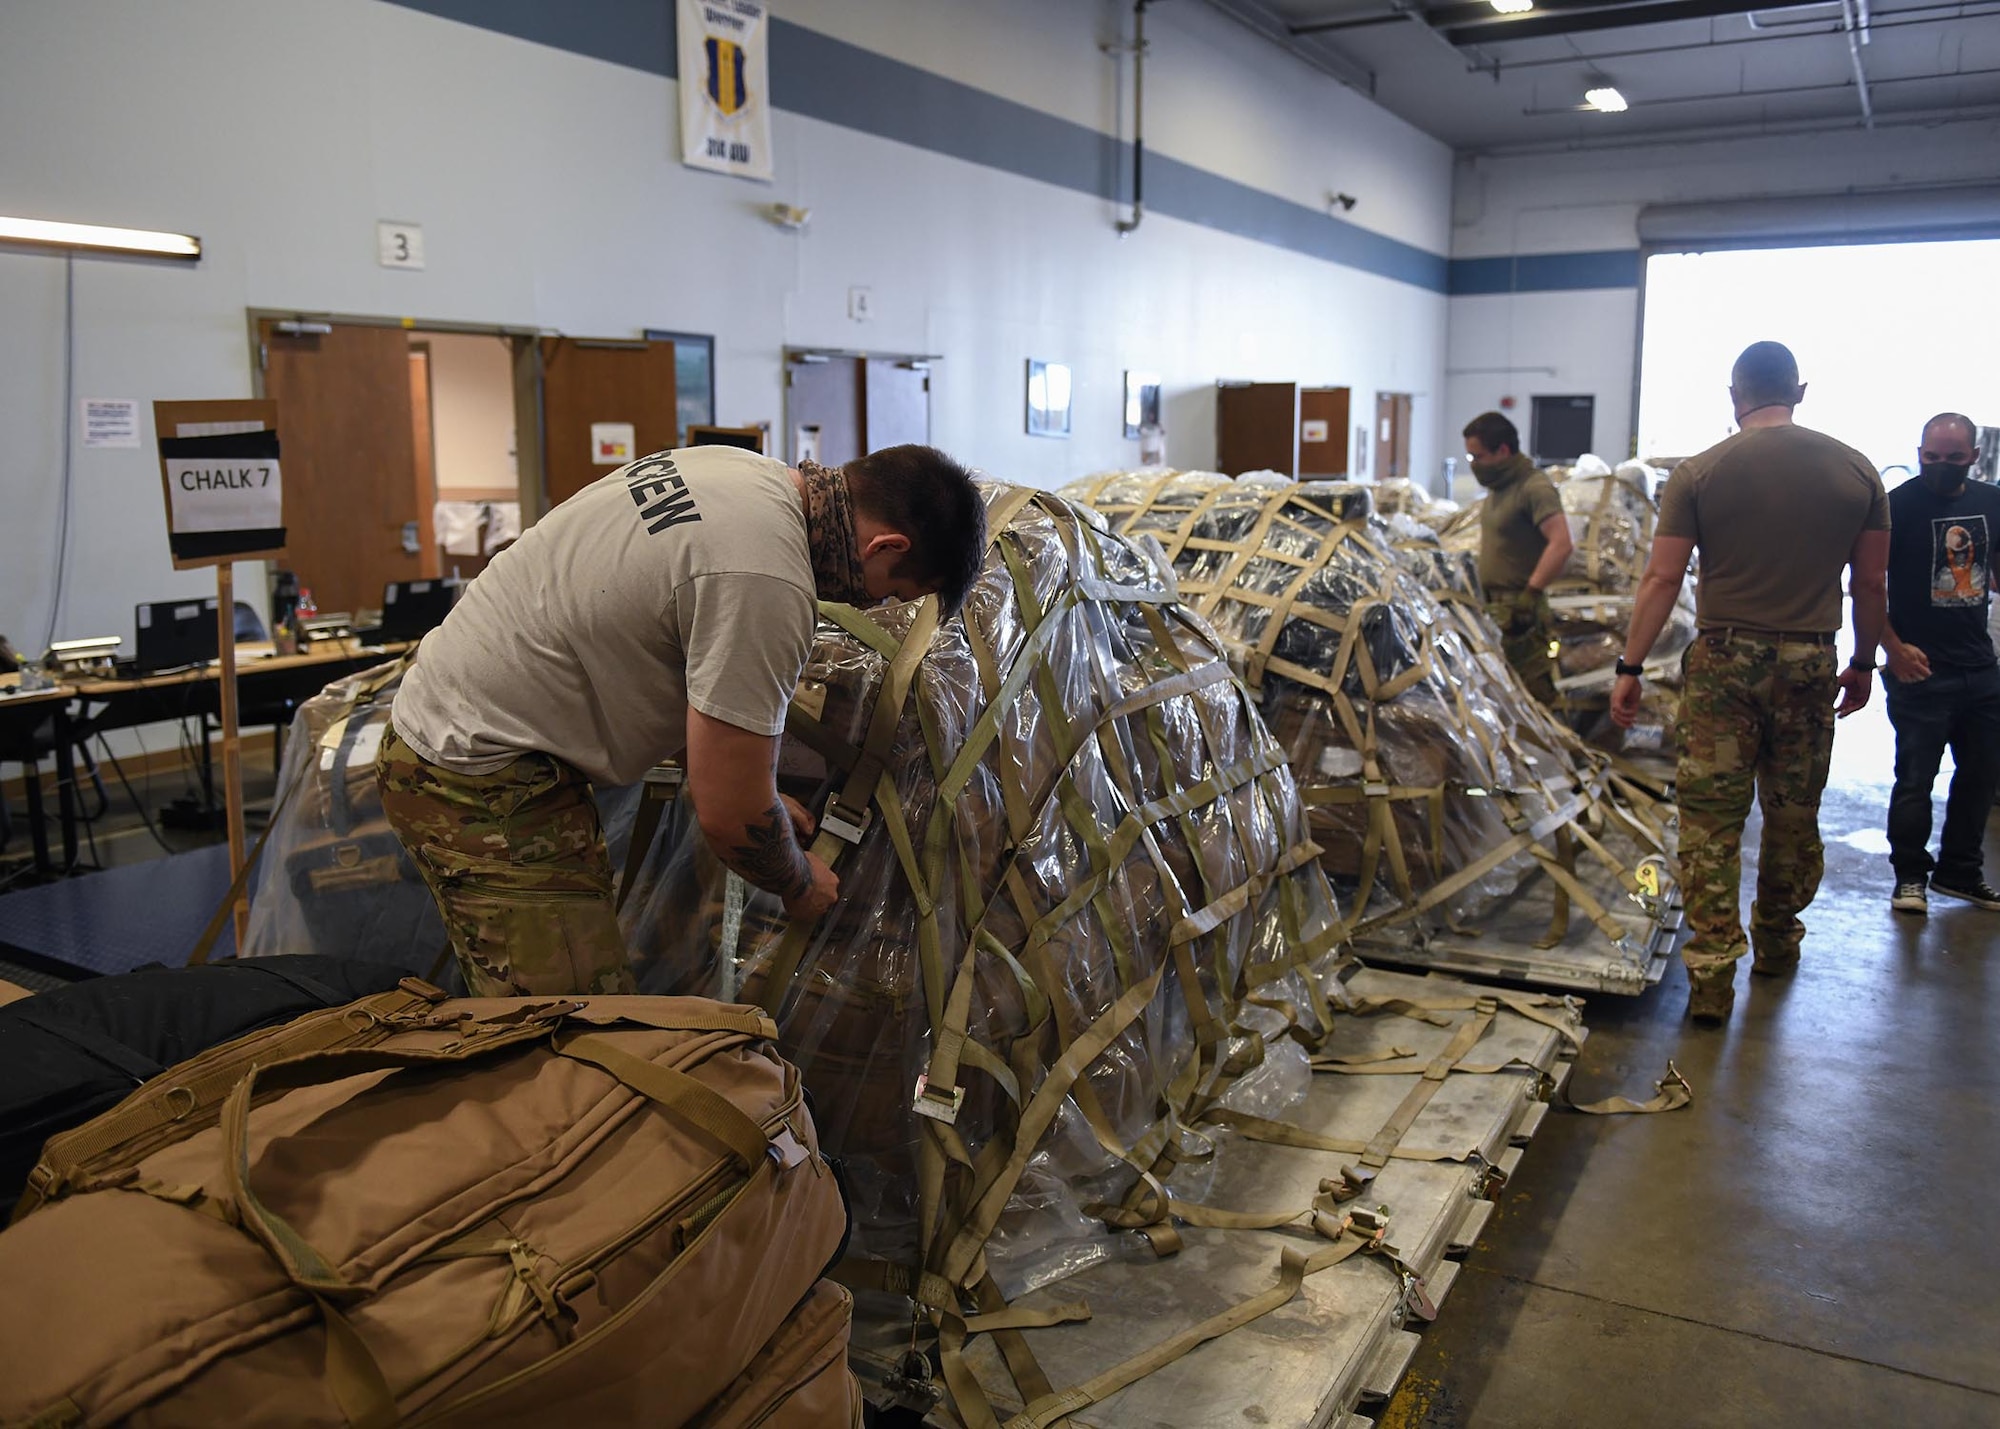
[1486, 473]
[837, 573]
[1945, 478]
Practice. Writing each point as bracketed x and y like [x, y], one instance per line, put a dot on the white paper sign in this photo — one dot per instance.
[110, 422]
[220, 494]
[612, 443]
[399, 245]
[725, 87]
[1313, 431]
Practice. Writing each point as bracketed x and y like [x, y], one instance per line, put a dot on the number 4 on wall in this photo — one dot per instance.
[399, 245]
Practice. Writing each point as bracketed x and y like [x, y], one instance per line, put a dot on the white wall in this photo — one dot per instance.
[472, 412]
[1589, 200]
[551, 196]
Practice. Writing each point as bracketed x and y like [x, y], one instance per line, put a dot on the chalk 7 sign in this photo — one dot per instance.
[220, 473]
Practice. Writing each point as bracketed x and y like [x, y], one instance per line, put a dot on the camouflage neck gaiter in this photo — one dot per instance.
[830, 535]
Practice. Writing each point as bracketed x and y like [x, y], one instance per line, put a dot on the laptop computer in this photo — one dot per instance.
[411, 609]
[174, 634]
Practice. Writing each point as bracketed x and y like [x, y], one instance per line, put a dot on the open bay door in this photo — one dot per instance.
[605, 401]
[354, 516]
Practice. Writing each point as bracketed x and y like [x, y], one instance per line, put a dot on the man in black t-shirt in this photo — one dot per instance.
[1943, 681]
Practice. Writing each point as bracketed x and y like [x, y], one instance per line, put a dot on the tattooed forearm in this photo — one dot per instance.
[769, 856]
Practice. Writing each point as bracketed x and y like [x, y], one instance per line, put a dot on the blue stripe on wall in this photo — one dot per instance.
[1545, 272]
[830, 80]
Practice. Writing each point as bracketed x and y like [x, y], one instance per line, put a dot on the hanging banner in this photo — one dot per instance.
[725, 88]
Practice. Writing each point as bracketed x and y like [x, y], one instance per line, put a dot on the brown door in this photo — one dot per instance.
[1257, 427]
[587, 381]
[1392, 435]
[1323, 431]
[423, 435]
[824, 413]
[898, 403]
[345, 423]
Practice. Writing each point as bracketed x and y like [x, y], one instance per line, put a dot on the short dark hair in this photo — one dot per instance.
[925, 495]
[1971, 431]
[1494, 432]
[1767, 373]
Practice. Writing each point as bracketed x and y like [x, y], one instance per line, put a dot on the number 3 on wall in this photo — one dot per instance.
[399, 245]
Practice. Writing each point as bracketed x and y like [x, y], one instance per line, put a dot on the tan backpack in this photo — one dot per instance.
[495, 1212]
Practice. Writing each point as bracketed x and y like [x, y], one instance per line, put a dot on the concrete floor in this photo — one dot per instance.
[1803, 1246]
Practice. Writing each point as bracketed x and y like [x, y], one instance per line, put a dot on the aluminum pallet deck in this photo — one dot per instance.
[1503, 944]
[1341, 1345]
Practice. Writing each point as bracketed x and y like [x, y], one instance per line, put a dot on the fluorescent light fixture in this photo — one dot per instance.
[1513, 7]
[106, 240]
[1606, 100]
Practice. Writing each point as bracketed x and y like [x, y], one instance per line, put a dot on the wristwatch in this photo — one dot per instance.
[1625, 667]
[1855, 664]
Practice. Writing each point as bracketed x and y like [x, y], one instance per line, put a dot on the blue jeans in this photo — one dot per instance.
[1959, 709]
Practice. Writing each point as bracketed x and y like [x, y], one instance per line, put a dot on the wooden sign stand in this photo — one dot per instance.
[219, 474]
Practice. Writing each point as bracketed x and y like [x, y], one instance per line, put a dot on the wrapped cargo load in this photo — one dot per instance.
[1079, 906]
[1442, 793]
[1612, 516]
[333, 878]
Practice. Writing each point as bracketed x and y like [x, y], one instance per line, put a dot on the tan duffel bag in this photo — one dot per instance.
[500, 1212]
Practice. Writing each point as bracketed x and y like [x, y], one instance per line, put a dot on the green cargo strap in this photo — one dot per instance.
[661, 787]
[1385, 1142]
[686, 1098]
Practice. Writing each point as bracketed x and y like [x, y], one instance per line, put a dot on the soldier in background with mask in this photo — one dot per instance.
[1777, 511]
[1943, 683]
[1524, 543]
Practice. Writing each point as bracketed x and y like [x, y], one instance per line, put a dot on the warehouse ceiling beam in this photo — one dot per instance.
[1790, 89]
[1809, 30]
[1540, 23]
[1327, 58]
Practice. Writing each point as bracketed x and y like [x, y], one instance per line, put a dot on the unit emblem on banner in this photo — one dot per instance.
[725, 93]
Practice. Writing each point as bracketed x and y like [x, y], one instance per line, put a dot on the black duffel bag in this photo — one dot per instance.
[68, 1054]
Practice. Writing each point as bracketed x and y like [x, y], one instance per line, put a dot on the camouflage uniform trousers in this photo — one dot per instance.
[1527, 631]
[1756, 715]
[517, 863]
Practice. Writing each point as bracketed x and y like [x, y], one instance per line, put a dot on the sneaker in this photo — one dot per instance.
[1975, 892]
[1909, 897]
[1712, 999]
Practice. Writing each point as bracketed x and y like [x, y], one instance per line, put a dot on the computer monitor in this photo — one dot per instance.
[412, 608]
[173, 634]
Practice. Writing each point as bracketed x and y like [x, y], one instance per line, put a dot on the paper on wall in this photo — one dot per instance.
[455, 525]
[110, 422]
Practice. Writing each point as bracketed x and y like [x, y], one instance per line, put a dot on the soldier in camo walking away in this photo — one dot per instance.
[668, 607]
[1524, 543]
[1777, 512]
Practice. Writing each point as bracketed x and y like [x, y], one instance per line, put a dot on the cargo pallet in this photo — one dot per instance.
[1337, 1351]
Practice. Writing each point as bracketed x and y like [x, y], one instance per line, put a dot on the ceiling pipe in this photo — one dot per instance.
[1854, 54]
[1792, 30]
[1652, 104]
[1328, 59]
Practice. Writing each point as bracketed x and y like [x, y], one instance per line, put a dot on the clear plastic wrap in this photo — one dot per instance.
[333, 877]
[1079, 830]
[1426, 765]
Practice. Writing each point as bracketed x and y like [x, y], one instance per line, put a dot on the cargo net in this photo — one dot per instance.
[1079, 910]
[1612, 517]
[1441, 792]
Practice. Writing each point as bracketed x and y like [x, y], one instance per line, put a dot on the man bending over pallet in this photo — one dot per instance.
[668, 607]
